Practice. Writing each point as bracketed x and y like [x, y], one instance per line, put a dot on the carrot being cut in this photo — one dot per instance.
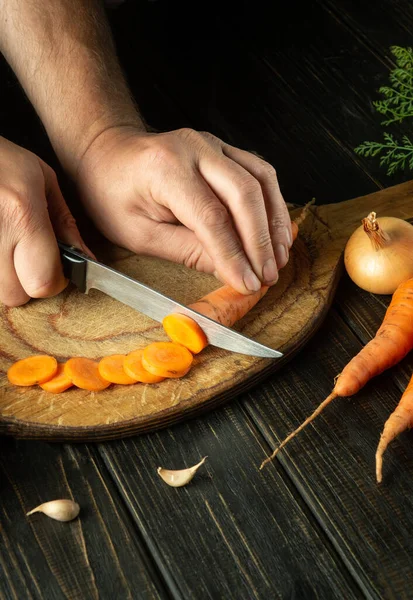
[400, 420]
[132, 365]
[60, 382]
[32, 370]
[393, 340]
[84, 374]
[111, 369]
[184, 330]
[167, 359]
[224, 305]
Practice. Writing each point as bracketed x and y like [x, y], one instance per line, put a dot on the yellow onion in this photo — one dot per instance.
[378, 257]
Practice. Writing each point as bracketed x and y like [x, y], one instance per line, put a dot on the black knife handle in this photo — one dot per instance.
[74, 265]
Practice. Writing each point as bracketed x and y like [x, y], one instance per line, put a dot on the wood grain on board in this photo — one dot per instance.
[73, 324]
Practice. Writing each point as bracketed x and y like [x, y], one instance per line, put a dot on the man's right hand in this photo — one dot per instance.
[32, 214]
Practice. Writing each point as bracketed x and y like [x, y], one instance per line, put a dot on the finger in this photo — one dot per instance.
[11, 290]
[36, 254]
[170, 242]
[241, 193]
[197, 207]
[63, 222]
[278, 216]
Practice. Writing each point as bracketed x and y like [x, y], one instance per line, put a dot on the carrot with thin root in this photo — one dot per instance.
[393, 340]
[60, 382]
[84, 374]
[400, 420]
[132, 365]
[167, 359]
[111, 369]
[32, 370]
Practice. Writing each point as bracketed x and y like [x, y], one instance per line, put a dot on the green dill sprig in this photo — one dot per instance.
[397, 105]
[398, 97]
[395, 155]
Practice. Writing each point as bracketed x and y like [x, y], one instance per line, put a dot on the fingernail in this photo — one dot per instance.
[281, 255]
[289, 237]
[269, 271]
[251, 281]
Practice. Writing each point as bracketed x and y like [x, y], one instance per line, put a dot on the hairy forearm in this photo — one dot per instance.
[63, 55]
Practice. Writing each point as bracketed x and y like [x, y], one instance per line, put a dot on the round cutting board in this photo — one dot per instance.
[94, 325]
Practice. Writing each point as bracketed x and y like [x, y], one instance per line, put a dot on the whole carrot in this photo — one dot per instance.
[400, 420]
[393, 340]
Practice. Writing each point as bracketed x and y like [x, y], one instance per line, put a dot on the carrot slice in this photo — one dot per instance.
[32, 370]
[167, 359]
[84, 374]
[111, 369]
[58, 383]
[132, 365]
[184, 330]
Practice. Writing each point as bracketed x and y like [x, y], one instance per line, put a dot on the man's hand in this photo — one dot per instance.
[191, 198]
[32, 211]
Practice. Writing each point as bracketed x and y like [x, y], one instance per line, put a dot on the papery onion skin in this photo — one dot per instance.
[381, 270]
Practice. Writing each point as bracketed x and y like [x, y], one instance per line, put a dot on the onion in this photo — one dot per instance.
[378, 257]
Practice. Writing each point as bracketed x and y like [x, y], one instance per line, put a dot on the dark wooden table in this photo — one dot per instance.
[297, 88]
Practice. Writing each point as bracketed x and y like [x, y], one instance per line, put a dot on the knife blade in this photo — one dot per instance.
[87, 273]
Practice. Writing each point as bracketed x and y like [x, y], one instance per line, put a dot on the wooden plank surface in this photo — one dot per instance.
[99, 555]
[246, 528]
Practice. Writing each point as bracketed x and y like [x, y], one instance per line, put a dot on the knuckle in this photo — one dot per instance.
[261, 240]
[66, 221]
[41, 288]
[214, 216]
[163, 154]
[16, 206]
[266, 171]
[247, 187]
[277, 224]
[192, 258]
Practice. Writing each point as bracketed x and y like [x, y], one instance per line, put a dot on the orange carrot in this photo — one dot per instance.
[400, 420]
[32, 370]
[167, 359]
[84, 374]
[111, 369]
[224, 305]
[133, 367]
[185, 331]
[393, 340]
[58, 383]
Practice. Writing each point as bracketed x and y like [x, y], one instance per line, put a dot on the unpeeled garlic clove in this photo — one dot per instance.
[60, 510]
[180, 477]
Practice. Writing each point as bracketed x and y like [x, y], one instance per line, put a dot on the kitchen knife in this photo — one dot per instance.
[87, 273]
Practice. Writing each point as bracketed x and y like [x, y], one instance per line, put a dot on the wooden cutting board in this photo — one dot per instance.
[73, 324]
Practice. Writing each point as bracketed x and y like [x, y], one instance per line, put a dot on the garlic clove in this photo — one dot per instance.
[60, 510]
[180, 477]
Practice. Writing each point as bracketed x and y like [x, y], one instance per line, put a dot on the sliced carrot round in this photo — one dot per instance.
[184, 330]
[111, 369]
[133, 367]
[58, 383]
[84, 374]
[32, 370]
[167, 359]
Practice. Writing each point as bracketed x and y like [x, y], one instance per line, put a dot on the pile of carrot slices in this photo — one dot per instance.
[152, 364]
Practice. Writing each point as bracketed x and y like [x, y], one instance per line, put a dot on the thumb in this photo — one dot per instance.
[171, 242]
